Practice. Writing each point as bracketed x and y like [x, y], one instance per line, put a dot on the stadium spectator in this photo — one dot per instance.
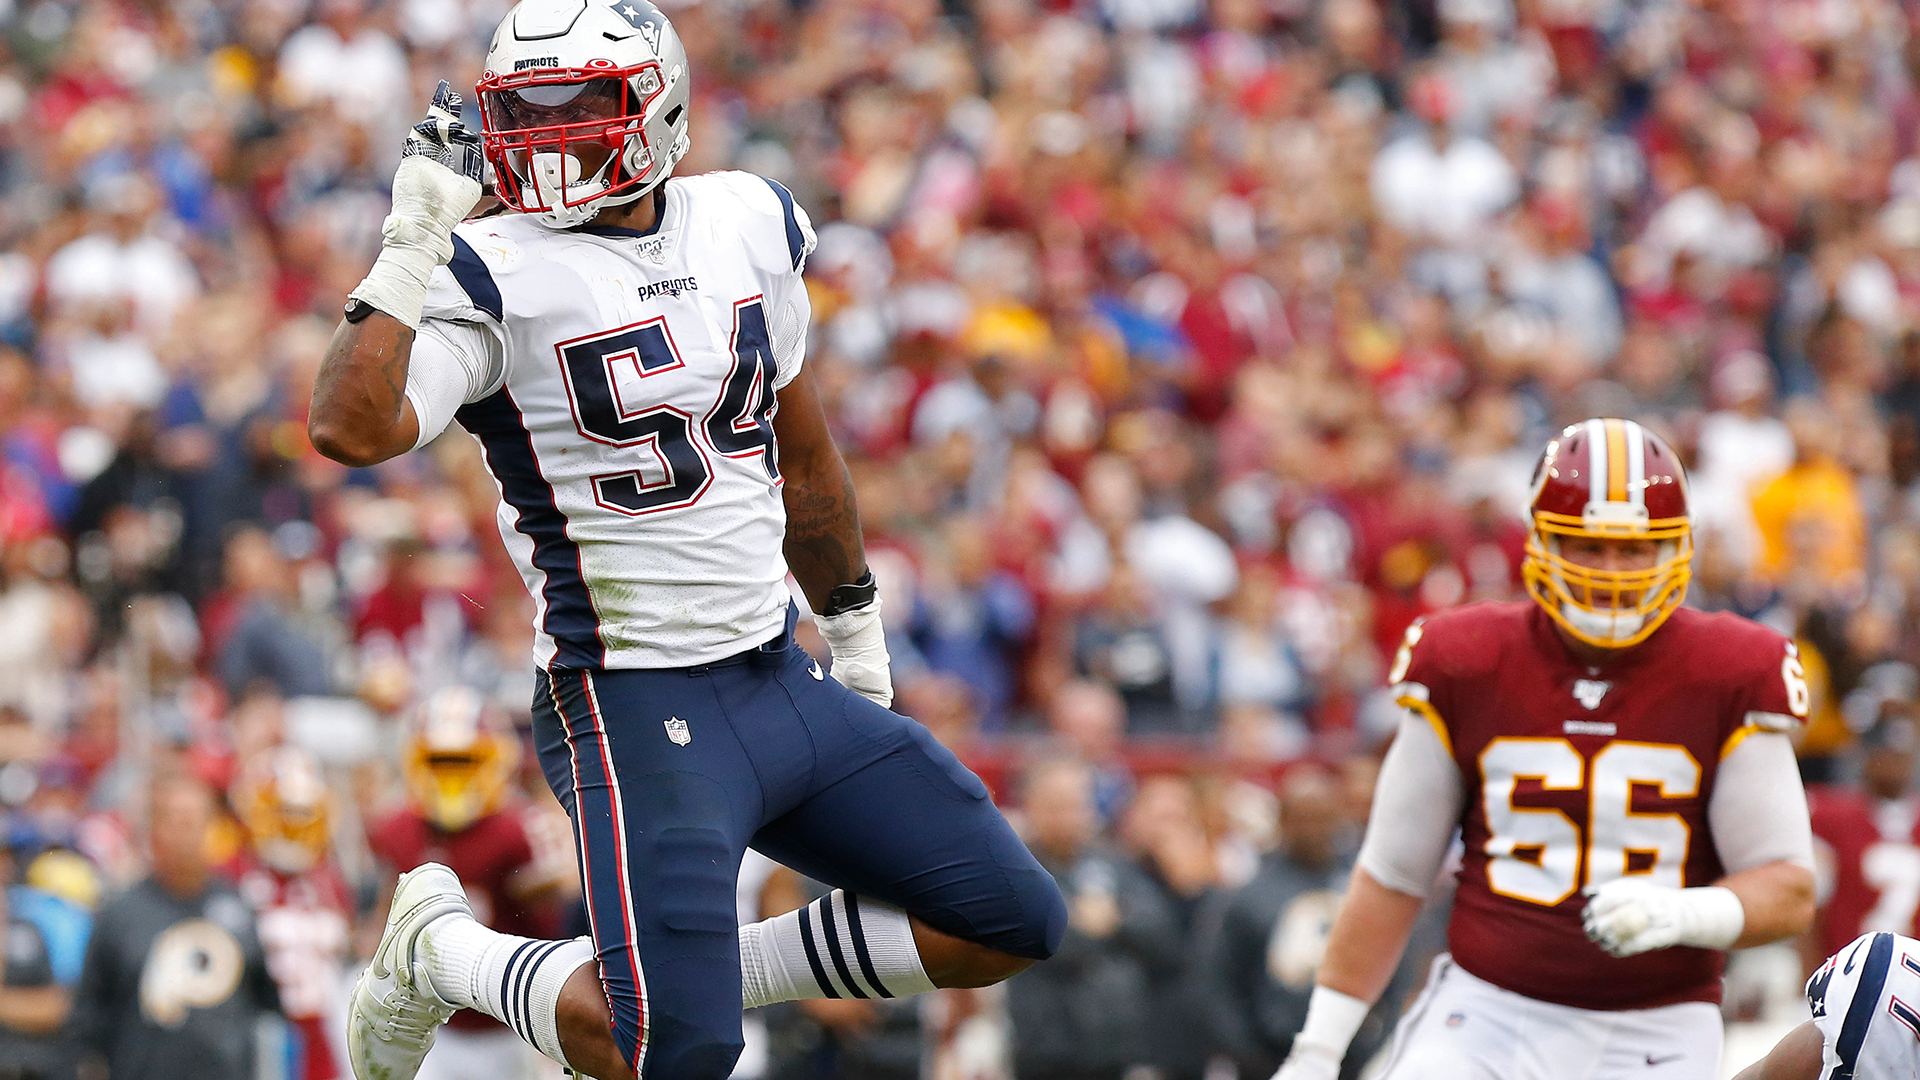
[1086, 1013]
[33, 1004]
[1265, 941]
[250, 631]
[1089, 719]
[175, 979]
[1165, 834]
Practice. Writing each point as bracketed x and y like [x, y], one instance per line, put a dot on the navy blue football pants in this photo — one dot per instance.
[776, 755]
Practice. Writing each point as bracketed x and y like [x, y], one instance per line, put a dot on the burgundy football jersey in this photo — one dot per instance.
[1869, 853]
[305, 928]
[1577, 776]
[485, 856]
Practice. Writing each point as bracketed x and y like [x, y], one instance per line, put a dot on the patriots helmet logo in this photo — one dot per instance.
[643, 17]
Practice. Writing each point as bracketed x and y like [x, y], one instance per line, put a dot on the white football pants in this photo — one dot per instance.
[1464, 1028]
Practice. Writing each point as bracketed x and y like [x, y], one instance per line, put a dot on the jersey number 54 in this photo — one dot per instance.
[606, 382]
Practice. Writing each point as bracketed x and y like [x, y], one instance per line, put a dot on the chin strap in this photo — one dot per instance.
[566, 168]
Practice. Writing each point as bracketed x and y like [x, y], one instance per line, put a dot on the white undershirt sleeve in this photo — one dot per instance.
[788, 328]
[1758, 810]
[452, 364]
[1416, 807]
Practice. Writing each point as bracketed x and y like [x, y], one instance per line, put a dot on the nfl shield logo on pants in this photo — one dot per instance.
[677, 731]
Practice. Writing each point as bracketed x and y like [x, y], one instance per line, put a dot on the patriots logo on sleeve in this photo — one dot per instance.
[1817, 988]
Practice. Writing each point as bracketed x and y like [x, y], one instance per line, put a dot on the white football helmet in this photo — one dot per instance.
[583, 104]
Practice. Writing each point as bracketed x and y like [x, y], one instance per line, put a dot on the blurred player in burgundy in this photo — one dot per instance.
[301, 904]
[1619, 770]
[1867, 842]
[460, 762]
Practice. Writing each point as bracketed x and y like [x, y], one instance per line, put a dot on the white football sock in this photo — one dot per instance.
[838, 946]
[515, 980]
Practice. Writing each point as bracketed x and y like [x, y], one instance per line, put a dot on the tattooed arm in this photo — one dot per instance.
[360, 414]
[823, 545]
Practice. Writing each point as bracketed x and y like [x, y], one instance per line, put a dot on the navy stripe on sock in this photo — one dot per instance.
[833, 947]
[508, 987]
[570, 617]
[474, 277]
[526, 990]
[1863, 1006]
[813, 954]
[860, 947]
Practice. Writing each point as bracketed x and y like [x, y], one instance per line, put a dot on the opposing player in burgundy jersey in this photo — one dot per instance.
[459, 765]
[302, 908]
[1867, 843]
[1618, 771]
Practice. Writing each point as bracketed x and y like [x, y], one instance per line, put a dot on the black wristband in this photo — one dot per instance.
[845, 598]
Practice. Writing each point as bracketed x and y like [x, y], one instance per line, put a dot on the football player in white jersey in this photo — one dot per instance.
[629, 351]
[1866, 1017]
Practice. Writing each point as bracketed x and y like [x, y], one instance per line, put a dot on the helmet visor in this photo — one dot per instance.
[541, 105]
[568, 137]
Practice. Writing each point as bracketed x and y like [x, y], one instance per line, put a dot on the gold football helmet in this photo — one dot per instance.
[1608, 479]
[458, 760]
[281, 798]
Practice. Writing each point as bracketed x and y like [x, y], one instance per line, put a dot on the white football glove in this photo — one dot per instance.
[1332, 1020]
[433, 190]
[1309, 1062]
[859, 646]
[1627, 917]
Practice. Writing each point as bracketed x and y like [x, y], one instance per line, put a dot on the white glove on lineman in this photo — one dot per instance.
[859, 645]
[435, 187]
[1628, 917]
[1333, 1018]
[1309, 1062]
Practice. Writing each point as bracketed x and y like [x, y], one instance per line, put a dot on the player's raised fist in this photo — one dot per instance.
[443, 137]
[436, 185]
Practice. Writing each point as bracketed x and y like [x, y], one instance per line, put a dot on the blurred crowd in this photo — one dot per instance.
[1183, 351]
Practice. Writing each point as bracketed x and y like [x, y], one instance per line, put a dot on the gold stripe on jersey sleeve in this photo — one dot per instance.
[1739, 736]
[1432, 716]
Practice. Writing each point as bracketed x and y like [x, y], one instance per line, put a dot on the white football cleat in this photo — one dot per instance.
[395, 1011]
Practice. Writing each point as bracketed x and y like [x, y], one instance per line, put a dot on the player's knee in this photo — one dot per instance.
[984, 967]
[1046, 917]
[684, 1051]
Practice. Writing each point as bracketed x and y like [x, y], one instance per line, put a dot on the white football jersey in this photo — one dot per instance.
[1866, 1003]
[626, 412]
